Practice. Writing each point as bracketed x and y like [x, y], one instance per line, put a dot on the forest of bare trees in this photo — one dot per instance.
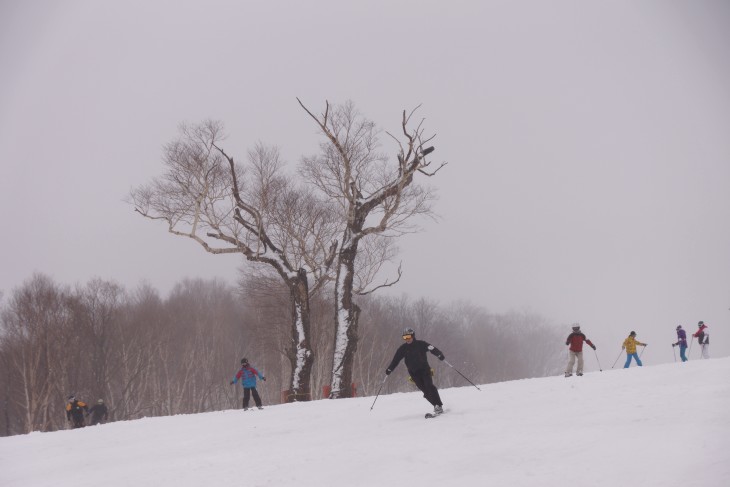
[148, 355]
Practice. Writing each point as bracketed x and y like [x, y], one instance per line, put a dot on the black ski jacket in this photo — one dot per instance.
[415, 355]
[99, 412]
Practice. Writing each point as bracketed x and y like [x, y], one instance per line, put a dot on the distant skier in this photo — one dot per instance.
[248, 375]
[414, 353]
[98, 412]
[75, 410]
[575, 340]
[703, 338]
[682, 342]
[630, 346]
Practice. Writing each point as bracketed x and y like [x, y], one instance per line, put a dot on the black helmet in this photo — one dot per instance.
[700, 323]
[633, 333]
[679, 327]
[72, 397]
[244, 361]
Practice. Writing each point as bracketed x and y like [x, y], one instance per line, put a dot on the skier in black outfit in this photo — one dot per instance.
[75, 410]
[414, 352]
[99, 412]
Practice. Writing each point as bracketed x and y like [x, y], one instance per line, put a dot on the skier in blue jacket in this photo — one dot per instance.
[248, 375]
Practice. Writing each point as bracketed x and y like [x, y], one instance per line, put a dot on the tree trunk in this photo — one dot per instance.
[347, 314]
[300, 355]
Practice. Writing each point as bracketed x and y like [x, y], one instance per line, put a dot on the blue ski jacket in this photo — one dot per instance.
[248, 376]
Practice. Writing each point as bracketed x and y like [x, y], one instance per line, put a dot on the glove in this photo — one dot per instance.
[232, 382]
[263, 379]
[594, 347]
[441, 357]
[388, 371]
[674, 344]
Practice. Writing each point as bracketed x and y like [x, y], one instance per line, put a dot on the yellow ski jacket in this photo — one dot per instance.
[630, 345]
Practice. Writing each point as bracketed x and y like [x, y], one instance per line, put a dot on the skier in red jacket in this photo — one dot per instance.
[575, 341]
[703, 338]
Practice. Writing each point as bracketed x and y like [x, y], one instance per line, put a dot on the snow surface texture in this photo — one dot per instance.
[666, 425]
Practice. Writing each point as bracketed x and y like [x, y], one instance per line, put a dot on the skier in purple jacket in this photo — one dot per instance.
[682, 342]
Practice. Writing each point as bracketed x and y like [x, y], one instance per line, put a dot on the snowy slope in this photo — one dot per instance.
[666, 425]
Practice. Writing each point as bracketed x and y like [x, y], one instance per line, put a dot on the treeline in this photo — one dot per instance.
[151, 356]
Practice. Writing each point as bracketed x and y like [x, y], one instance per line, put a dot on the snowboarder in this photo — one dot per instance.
[682, 342]
[99, 412]
[703, 338]
[414, 353]
[575, 340]
[630, 346]
[75, 410]
[248, 375]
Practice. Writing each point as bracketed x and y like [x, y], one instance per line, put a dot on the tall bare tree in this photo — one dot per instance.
[378, 201]
[256, 211]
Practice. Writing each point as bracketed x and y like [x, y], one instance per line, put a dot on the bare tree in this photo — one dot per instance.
[378, 200]
[255, 211]
[38, 349]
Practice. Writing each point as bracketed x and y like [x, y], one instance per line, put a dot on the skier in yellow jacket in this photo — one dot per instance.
[75, 410]
[630, 346]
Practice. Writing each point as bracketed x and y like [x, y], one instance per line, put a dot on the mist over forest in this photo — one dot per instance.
[146, 354]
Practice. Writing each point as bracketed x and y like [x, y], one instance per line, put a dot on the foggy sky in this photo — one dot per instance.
[588, 143]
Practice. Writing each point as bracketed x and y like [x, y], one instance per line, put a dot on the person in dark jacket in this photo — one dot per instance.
[414, 353]
[575, 341]
[99, 412]
[682, 342]
[75, 410]
[248, 375]
[703, 338]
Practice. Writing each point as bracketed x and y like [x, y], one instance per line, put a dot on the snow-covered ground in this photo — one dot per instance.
[666, 425]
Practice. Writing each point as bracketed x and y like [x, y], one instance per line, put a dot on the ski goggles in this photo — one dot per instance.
[407, 337]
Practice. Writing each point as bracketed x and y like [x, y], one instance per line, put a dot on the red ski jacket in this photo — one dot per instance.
[575, 340]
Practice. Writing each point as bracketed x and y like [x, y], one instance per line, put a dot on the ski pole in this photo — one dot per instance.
[642, 351]
[599, 362]
[690, 346]
[379, 388]
[619, 356]
[675, 353]
[457, 371]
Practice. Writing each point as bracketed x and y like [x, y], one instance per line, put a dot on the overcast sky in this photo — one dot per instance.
[588, 143]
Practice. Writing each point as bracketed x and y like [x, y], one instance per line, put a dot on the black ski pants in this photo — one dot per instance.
[247, 392]
[423, 380]
[77, 421]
